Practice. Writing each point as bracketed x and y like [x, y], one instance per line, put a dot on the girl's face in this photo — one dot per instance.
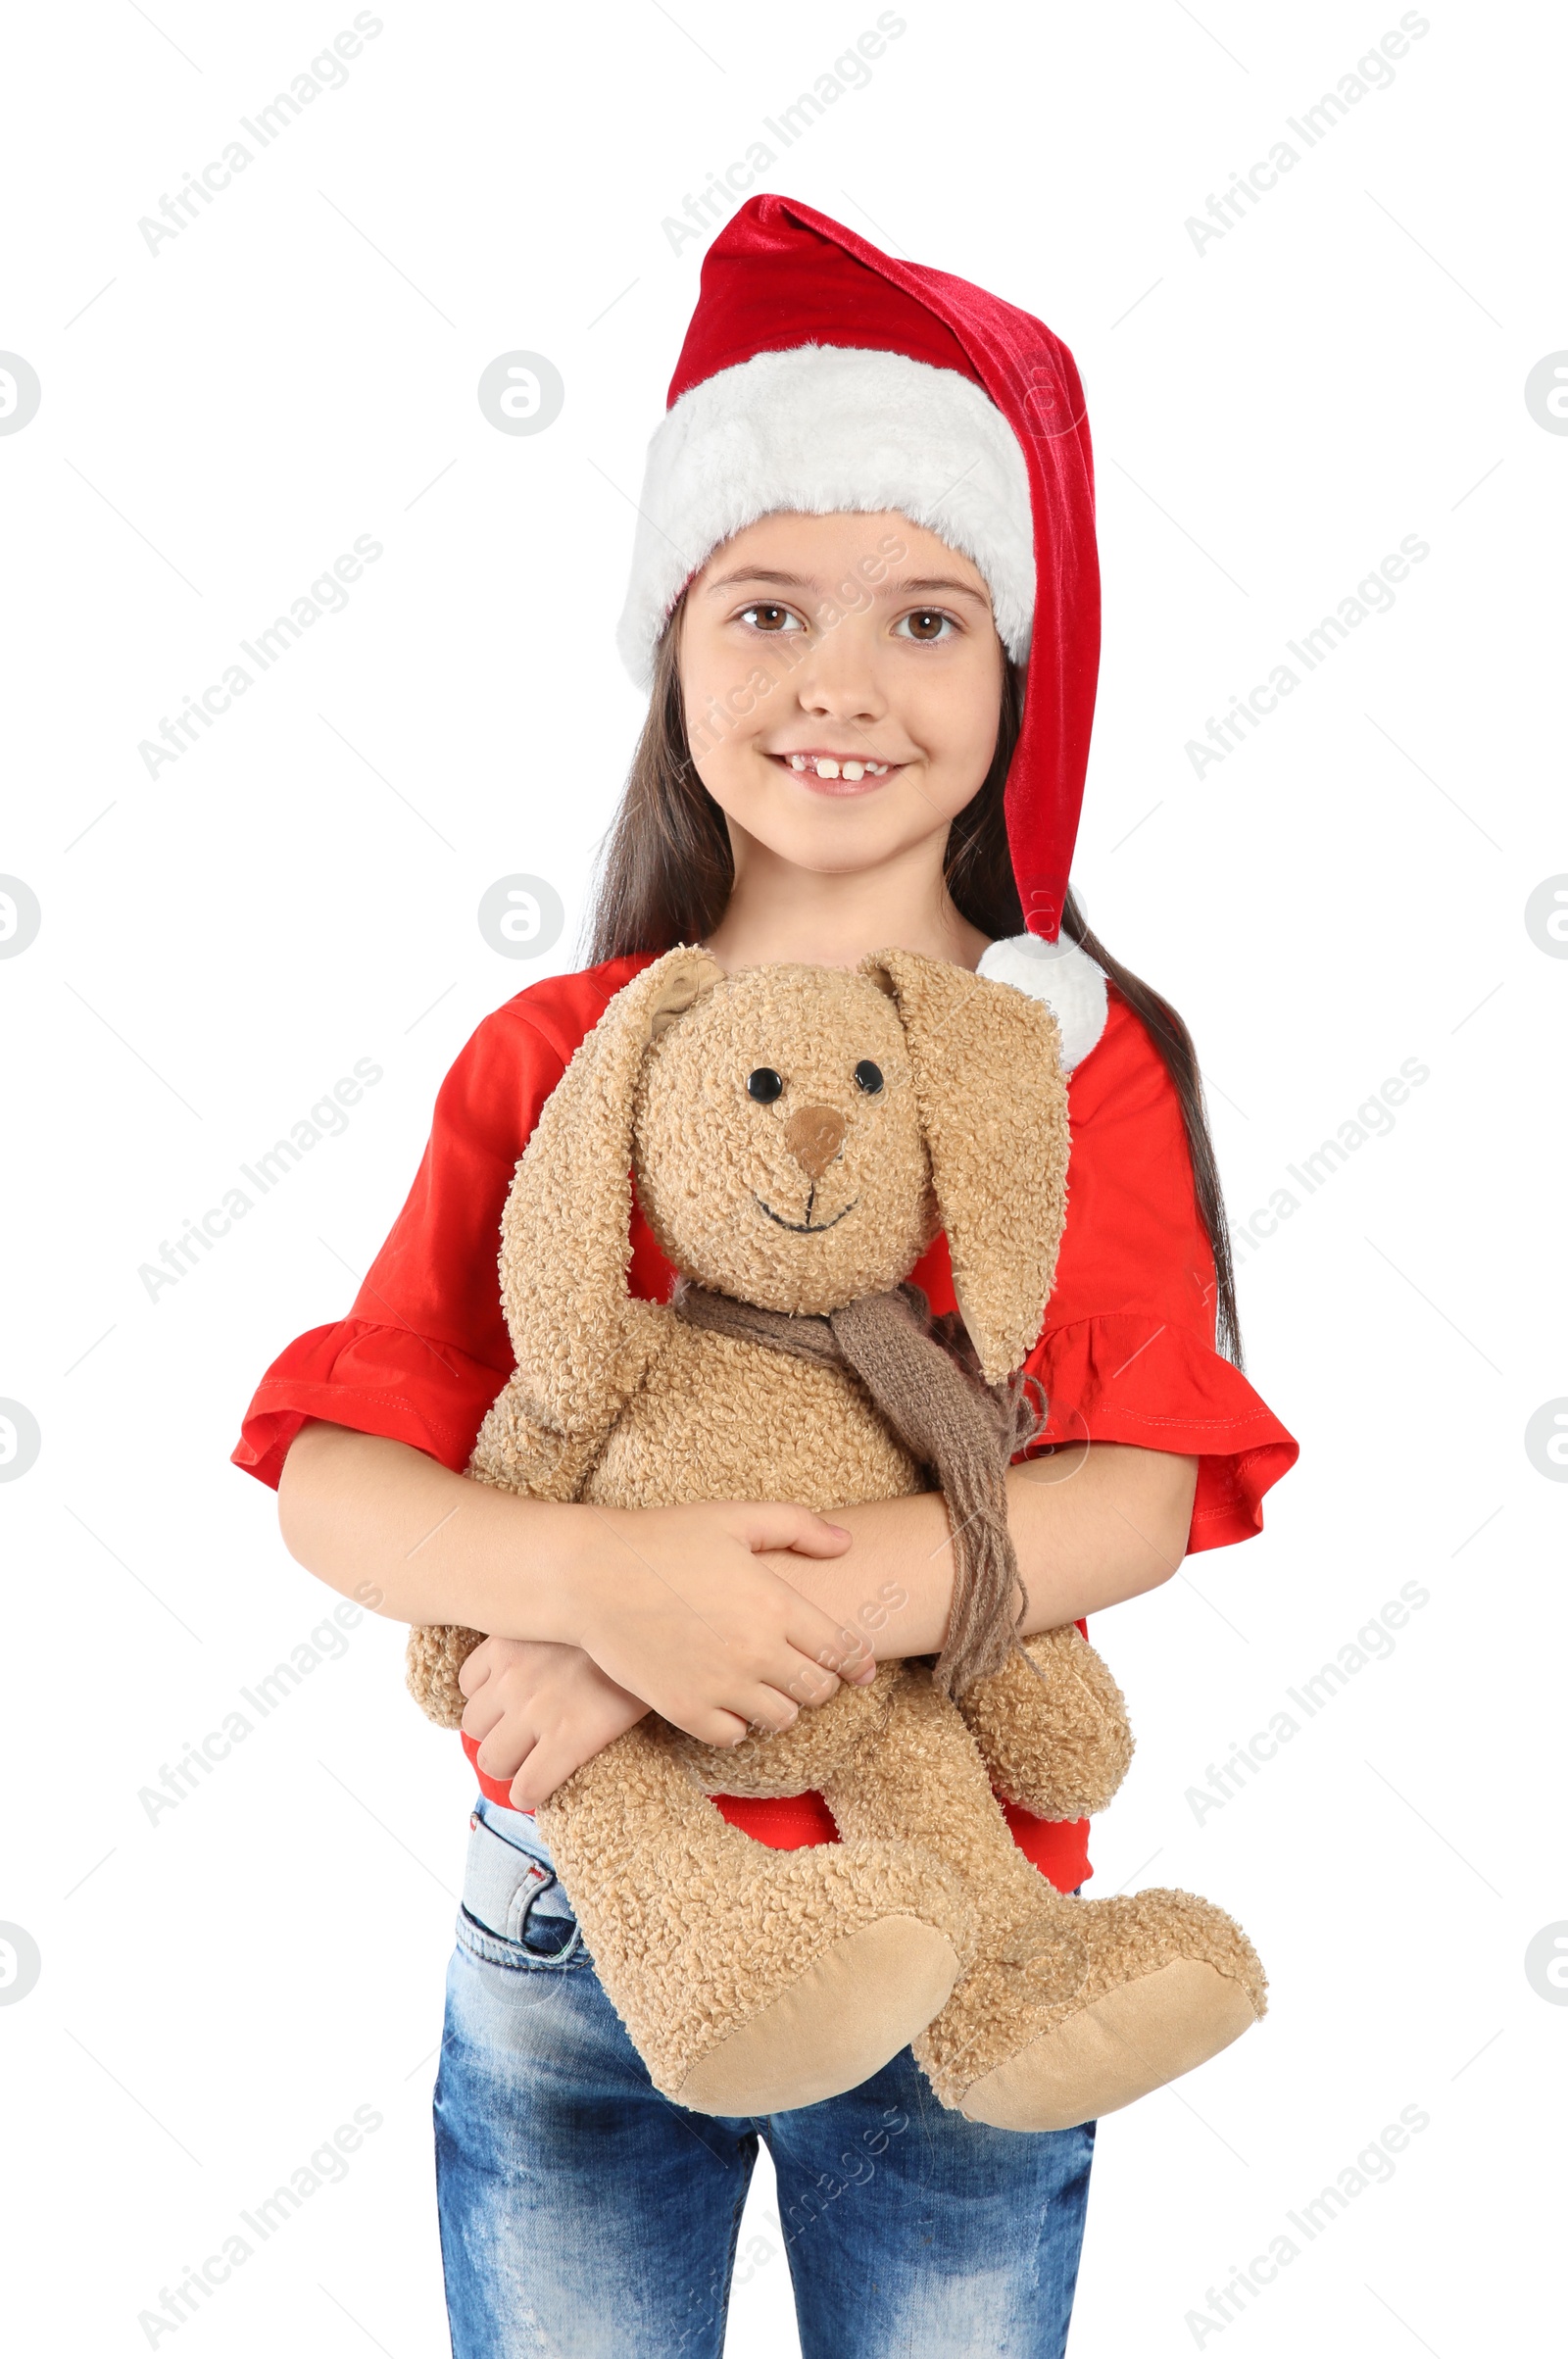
[842, 682]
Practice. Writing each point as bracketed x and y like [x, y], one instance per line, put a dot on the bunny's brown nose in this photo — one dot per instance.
[813, 1135]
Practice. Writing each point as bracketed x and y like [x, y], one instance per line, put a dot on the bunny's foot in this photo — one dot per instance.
[1091, 2006]
[750, 1980]
[1052, 1727]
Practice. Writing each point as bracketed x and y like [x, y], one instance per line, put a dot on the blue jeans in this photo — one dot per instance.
[583, 2214]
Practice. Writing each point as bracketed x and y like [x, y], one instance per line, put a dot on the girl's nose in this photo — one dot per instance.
[813, 1135]
[837, 680]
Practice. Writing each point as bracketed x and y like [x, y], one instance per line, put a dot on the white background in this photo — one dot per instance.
[221, 418]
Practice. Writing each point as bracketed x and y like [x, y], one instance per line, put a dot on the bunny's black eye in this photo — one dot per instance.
[868, 1076]
[765, 1085]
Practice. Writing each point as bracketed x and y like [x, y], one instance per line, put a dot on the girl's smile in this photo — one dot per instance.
[836, 774]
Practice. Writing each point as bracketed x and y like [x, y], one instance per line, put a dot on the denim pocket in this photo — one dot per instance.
[515, 1912]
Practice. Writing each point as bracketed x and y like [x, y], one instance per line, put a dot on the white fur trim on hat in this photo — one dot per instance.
[1062, 975]
[820, 428]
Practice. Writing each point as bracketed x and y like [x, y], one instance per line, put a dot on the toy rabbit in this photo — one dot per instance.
[797, 1136]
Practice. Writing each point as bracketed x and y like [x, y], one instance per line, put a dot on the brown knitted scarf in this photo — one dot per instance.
[921, 1374]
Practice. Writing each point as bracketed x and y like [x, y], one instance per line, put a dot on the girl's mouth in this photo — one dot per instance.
[823, 772]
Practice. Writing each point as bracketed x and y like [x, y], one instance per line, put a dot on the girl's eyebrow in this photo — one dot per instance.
[782, 581]
[894, 589]
[961, 589]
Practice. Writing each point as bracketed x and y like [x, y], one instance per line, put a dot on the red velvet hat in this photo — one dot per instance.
[819, 374]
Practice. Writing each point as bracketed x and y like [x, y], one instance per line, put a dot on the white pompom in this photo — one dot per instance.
[1062, 975]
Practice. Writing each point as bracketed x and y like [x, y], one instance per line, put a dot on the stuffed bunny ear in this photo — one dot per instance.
[993, 1109]
[566, 1242]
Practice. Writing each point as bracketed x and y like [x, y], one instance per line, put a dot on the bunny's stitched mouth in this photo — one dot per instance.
[808, 1228]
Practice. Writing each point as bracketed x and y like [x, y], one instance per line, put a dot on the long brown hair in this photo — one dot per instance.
[666, 872]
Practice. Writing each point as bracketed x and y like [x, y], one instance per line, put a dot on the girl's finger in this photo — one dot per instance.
[854, 1659]
[776, 1705]
[823, 1641]
[711, 1725]
[551, 1763]
[474, 1670]
[505, 1750]
[535, 1781]
[524, 1793]
[772, 1711]
[481, 1713]
[776, 1525]
[809, 1682]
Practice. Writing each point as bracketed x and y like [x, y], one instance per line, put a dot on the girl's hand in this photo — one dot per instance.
[676, 1605]
[541, 1711]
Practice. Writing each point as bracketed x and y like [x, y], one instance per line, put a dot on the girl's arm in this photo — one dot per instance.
[717, 1615]
[1093, 1523]
[687, 1607]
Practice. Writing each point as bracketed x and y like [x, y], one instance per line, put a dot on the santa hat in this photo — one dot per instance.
[819, 374]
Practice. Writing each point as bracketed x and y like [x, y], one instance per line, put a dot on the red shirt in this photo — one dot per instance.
[1126, 1355]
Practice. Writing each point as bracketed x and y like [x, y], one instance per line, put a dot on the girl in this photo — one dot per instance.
[865, 598]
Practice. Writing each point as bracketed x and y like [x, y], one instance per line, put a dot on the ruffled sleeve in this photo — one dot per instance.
[1131, 1376]
[424, 1350]
[1127, 1352]
[371, 1376]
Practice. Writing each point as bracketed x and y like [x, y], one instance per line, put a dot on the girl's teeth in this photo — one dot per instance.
[824, 765]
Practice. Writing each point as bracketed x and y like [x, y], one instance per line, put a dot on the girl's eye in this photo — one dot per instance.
[868, 1076]
[927, 625]
[765, 1085]
[774, 619]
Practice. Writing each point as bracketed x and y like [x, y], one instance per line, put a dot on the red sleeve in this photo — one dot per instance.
[1127, 1352]
[424, 1350]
